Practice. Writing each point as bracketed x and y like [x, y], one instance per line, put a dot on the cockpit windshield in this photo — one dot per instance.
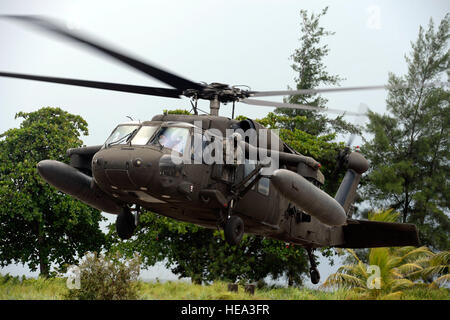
[174, 138]
[143, 136]
[121, 135]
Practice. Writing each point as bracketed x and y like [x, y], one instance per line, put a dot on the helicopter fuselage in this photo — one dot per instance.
[151, 165]
[199, 193]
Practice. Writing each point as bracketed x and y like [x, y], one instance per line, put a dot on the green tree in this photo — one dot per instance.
[40, 226]
[311, 73]
[409, 149]
[323, 148]
[312, 133]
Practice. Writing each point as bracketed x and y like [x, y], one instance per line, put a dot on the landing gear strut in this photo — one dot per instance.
[313, 272]
[233, 226]
[126, 223]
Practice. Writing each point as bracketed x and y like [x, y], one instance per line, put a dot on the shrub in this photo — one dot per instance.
[107, 278]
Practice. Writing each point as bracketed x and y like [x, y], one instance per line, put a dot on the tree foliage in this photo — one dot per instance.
[311, 73]
[409, 151]
[106, 277]
[40, 226]
[323, 148]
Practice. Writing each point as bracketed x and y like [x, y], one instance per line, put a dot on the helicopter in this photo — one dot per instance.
[210, 170]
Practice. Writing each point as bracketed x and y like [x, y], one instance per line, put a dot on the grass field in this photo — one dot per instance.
[49, 289]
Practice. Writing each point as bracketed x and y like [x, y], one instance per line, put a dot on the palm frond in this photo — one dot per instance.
[395, 274]
[393, 295]
[434, 270]
[441, 258]
[384, 216]
[400, 284]
[348, 269]
[353, 253]
[342, 280]
[417, 253]
[442, 280]
[408, 268]
[415, 275]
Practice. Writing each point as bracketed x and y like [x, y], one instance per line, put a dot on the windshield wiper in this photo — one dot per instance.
[127, 137]
[159, 143]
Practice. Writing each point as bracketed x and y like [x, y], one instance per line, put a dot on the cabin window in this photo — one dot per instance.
[263, 186]
[249, 166]
[143, 135]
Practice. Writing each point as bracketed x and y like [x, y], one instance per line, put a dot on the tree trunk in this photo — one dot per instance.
[290, 280]
[406, 205]
[44, 270]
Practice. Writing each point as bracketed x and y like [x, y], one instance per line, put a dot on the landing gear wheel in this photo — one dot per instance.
[125, 224]
[234, 230]
[315, 275]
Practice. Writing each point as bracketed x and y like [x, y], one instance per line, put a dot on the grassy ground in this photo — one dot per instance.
[41, 289]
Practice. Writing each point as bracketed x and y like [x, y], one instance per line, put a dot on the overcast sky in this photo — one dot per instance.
[235, 42]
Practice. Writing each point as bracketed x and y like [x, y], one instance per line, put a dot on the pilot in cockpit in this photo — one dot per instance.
[174, 143]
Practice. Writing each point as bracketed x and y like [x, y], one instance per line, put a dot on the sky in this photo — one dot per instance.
[245, 42]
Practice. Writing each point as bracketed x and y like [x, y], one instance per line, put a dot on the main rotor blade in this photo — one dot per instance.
[164, 76]
[152, 91]
[297, 106]
[311, 91]
[322, 90]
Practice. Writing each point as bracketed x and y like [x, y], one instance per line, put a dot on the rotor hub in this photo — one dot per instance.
[220, 91]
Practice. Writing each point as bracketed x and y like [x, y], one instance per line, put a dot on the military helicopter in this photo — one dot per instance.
[149, 166]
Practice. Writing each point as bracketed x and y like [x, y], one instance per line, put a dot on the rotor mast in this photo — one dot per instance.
[214, 106]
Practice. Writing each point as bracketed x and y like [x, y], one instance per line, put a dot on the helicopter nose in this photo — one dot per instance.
[125, 169]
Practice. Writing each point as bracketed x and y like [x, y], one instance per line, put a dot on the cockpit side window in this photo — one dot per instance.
[198, 144]
[174, 138]
[143, 135]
